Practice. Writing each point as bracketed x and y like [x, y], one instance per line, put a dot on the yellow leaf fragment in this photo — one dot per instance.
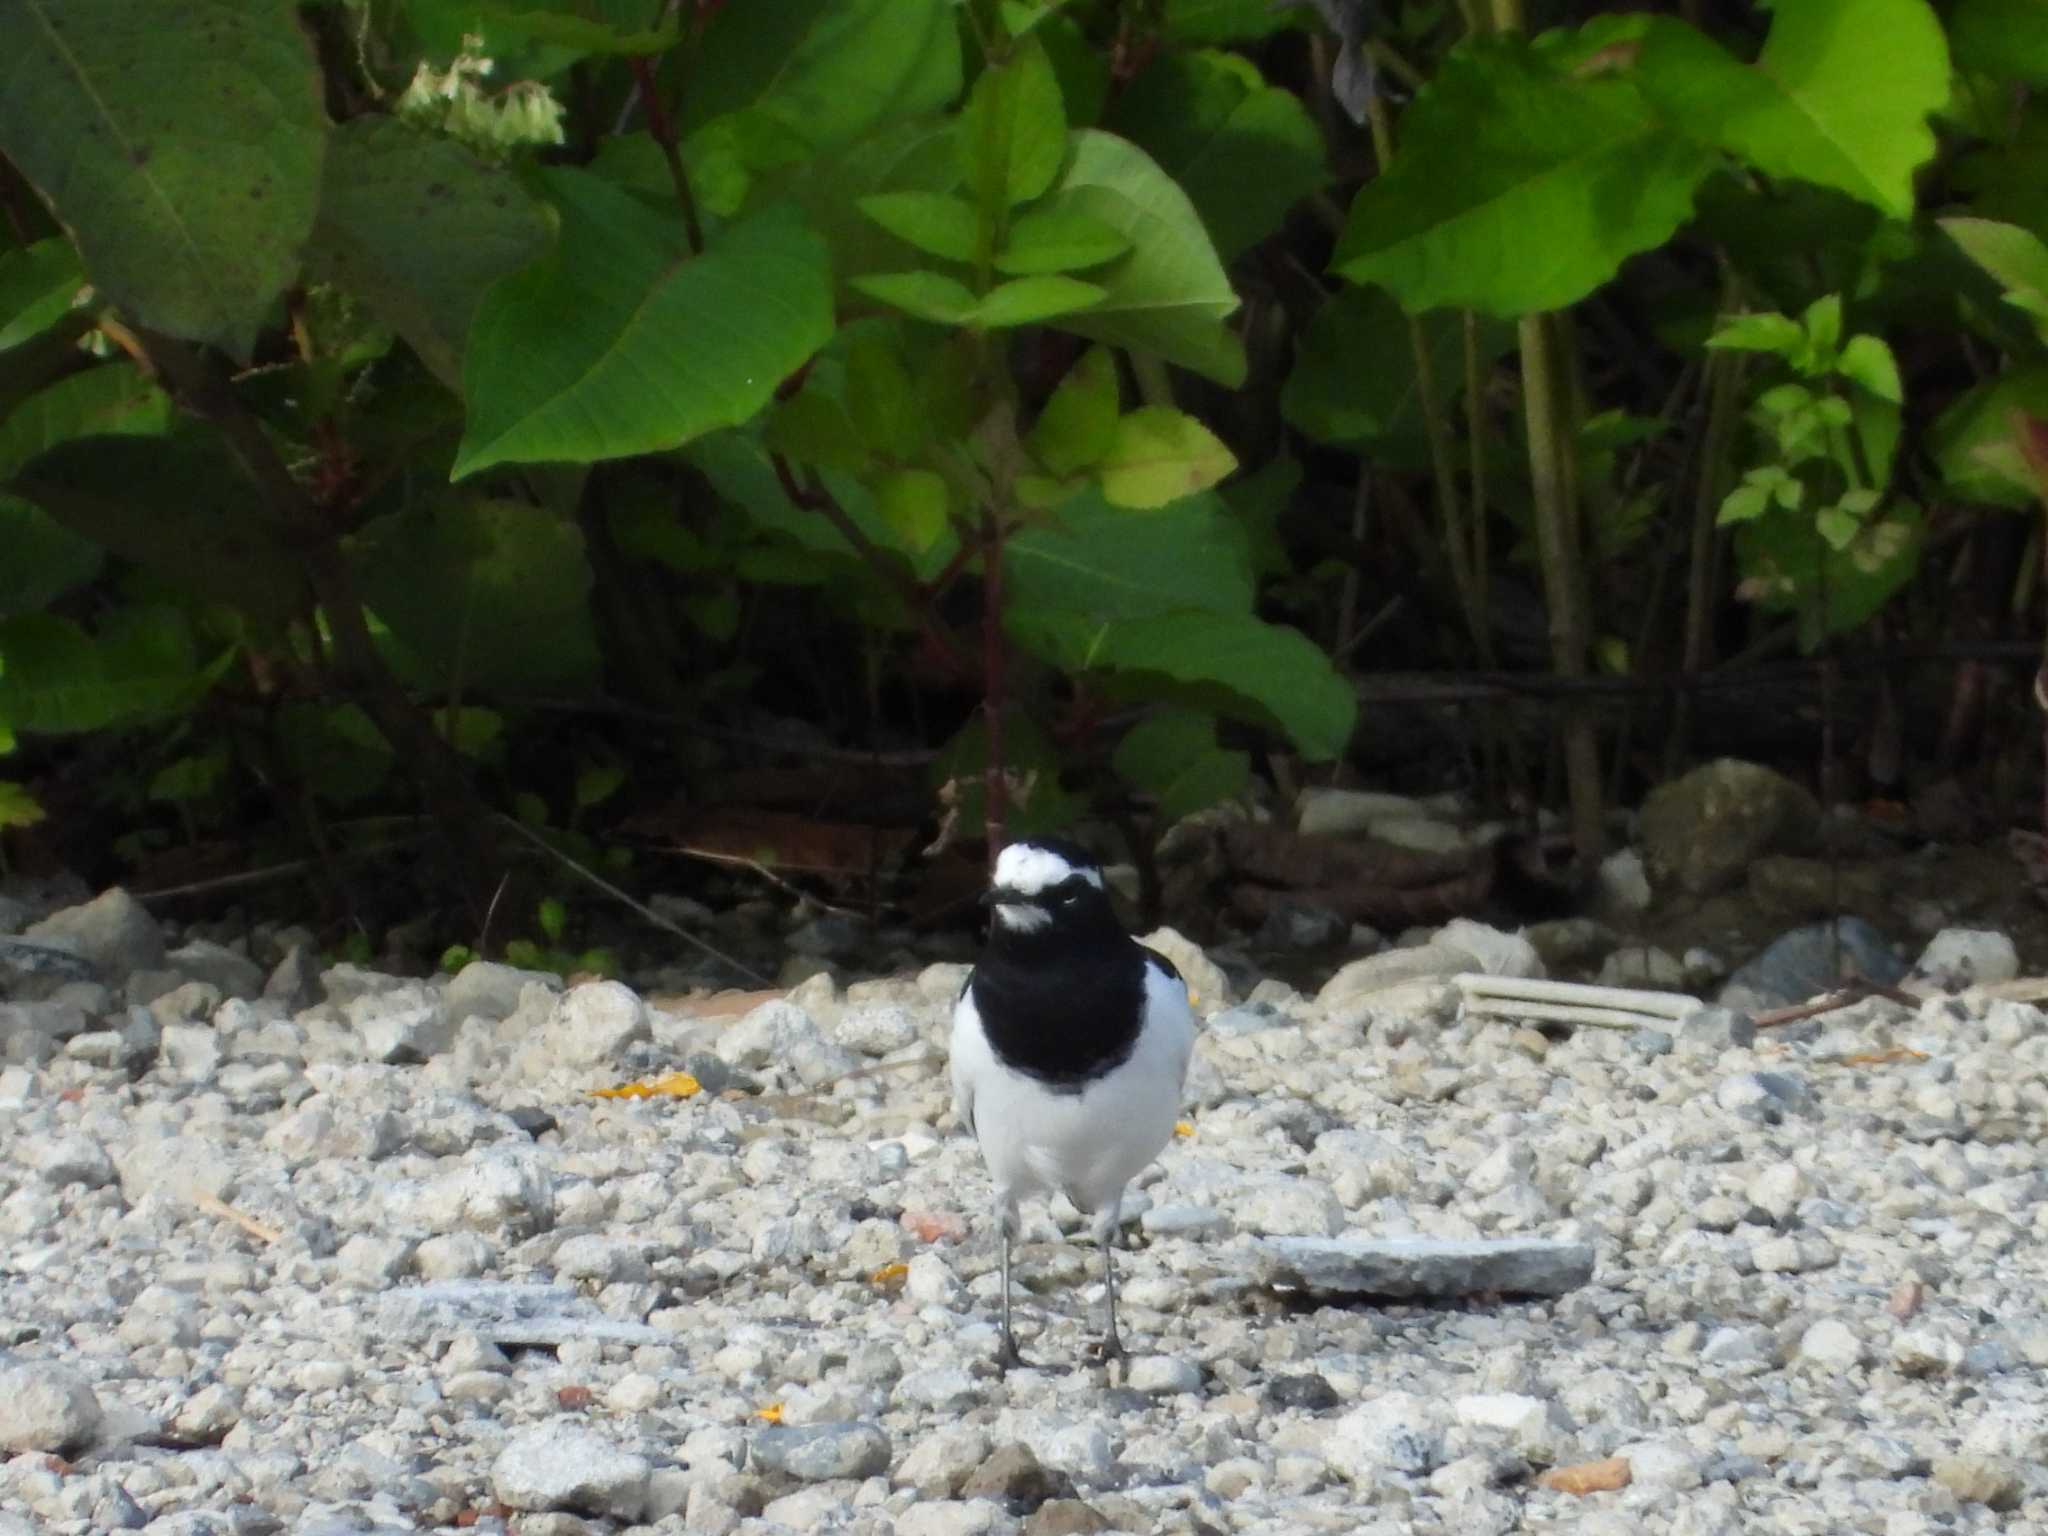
[676, 1085]
[890, 1277]
[1183, 1127]
[772, 1413]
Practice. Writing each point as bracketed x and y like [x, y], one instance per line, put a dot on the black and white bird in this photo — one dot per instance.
[1070, 1049]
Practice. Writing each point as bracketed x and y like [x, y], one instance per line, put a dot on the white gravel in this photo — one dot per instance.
[383, 1263]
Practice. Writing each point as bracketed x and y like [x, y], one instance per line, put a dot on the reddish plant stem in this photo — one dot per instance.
[994, 655]
[662, 129]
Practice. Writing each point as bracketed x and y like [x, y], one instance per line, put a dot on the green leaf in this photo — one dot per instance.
[58, 680]
[1029, 300]
[1747, 501]
[38, 284]
[1226, 21]
[1777, 334]
[192, 777]
[2016, 257]
[1173, 756]
[506, 28]
[1840, 96]
[1241, 666]
[334, 750]
[1868, 363]
[1973, 442]
[934, 222]
[419, 227]
[179, 141]
[1013, 130]
[553, 918]
[927, 295]
[44, 558]
[1788, 568]
[914, 503]
[813, 428]
[1079, 421]
[178, 505]
[824, 75]
[881, 396]
[1354, 381]
[18, 808]
[1105, 563]
[477, 732]
[490, 593]
[620, 342]
[1244, 152]
[1517, 187]
[1029, 756]
[1158, 455]
[111, 400]
[1169, 295]
[2007, 39]
[1050, 238]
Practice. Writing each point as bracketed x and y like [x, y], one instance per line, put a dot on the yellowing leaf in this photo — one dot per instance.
[676, 1085]
[1159, 455]
[772, 1413]
[18, 808]
[890, 1277]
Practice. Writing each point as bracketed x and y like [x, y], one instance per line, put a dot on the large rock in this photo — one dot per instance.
[1701, 832]
[564, 1466]
[45, 1407]
[593, 1025]
[113, 930]
[816, 1453]
[1422, 1266]
[235, 974]
[405, 1024]
[1804, 963]
[486, 989]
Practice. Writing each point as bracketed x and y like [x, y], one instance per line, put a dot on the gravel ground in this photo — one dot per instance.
[327, 1252]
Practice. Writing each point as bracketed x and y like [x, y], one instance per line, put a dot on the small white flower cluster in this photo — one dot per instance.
[455, 102]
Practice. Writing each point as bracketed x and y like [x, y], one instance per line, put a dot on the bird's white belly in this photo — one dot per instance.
[1088, 1145]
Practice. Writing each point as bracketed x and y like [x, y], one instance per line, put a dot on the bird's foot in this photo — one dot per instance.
[1007, 1357]
[1108, 1349]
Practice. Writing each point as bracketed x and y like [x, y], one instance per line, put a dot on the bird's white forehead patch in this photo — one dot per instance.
[1029, 869]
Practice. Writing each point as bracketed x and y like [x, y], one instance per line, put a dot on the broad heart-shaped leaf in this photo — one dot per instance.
[1243, 151]
[59, 680]
[621, 342]
[418, 227]
[1050, 238]
[1518, 186]
[1840, 96]
[1079, 421]
[2004, 38]
[179, 506]
[1173, 756]
[44, 558]
[1169, 295]
[494, 593]
[934, 222]
[1013, 131]
[179, 141]
[824, 75]
[1355, 381]
[1028, 300]
[2016, 257]
[37, 284]
[1973, 440]
[1103, 563]
[1158, 455]
[113, 400]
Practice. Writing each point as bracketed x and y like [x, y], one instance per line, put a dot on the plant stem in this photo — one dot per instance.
[994, 655]
[662, 129]
[1724, 392]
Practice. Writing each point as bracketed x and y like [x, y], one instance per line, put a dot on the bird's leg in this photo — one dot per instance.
[1006, 1221]
[1106, 1225]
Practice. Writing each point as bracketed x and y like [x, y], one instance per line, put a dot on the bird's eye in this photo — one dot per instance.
[1068, 898]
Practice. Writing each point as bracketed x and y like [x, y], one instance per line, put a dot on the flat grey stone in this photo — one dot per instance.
[46, 1407]
[505, 1312]
[816, 1453]
[113, 930]
[563, 1465]
[236, 975]
[1422, 1266]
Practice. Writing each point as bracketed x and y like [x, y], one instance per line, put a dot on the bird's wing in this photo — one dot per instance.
[1164, 983]
[966, 1021]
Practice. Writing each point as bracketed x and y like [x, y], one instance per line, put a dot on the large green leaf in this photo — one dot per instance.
[1243, 151]
[58, 680]
[179, 506]
[1105, 563]
[2017, 257]
[621, 342]
[112, 400]
[1973, 442]
[37, 285]
[494, 593]
[1840, 96]
[1244, 666]
[1013, 131]
[44, 558]
[1173, 756]
[179, 141]
[420, 227]
[817, 77]
[1170, 294]
[1519, 186]
[2005, 38]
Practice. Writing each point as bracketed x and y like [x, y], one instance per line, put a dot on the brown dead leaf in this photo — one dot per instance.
[1588, 1476]
[675, 1085]
[1884, 1058]
[934, 1226]
[574, 1397]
